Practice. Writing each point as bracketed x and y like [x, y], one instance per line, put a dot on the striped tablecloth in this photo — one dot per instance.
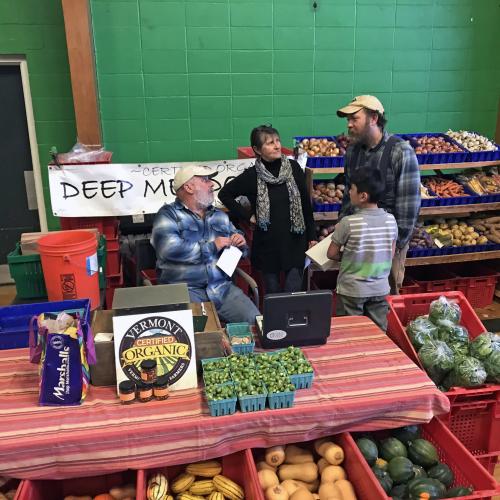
[362, 382]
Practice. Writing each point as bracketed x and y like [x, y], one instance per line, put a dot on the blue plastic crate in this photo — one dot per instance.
[15, 320]
[322, 161]
[207, 362]
[434, 158]
[302, 380]
[240, 330]
[485, 155]
[277, 400]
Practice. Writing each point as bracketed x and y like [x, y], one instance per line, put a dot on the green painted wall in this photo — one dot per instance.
[182, 80]
[35, 29]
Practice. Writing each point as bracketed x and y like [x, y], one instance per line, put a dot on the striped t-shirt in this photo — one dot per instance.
[367, 237]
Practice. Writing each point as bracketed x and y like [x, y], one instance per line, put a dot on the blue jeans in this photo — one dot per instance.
[293, 281]
[236, 307]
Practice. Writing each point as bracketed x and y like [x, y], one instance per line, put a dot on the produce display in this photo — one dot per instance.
[448, 355]
[451, 232]
[407, 466]
[480, 183]
[487, 227]
[472, 141]
[294, 472]
[424, 193]
[126, 492]
[434, 144]
[324, 231]
[444, 188]
[256, 376]
[324, 147]
[328, 192]
[201, 480]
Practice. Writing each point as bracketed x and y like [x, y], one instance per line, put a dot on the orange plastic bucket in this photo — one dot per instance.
[70, 268]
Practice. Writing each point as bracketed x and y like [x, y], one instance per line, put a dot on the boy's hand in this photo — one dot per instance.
[312, 243]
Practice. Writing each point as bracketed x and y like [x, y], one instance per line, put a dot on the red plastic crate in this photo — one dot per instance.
[489, 461]
[409, 286]
[108, 226]
[475, 413]
[439, 280]
[467, 470]
[238, 466]
[248, 152]
[476, 281]
[51, 489]
[112, 256]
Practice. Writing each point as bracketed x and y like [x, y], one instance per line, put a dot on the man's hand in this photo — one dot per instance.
[253, 221]
[222, 242]
[238, 240]
[312, 243]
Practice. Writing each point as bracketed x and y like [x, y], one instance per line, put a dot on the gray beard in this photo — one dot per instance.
[204, 200]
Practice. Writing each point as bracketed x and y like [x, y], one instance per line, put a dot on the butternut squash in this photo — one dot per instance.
[267, 479]
[346, 489]
[276, 492]
[332, 473]
[319, 442]
[322, 463]
[275, 455]
[264, 465]
[305, 472]
[332, 452]
[290, 486]
[302, 494]
[312, 486]
[328, 491]
[297, 455]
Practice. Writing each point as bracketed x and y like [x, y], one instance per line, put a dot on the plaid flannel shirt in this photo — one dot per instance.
[405, 170]
[185, 248]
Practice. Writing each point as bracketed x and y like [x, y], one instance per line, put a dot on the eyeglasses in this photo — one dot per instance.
[204, 178]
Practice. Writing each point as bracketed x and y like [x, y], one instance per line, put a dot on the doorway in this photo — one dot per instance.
[20, 180]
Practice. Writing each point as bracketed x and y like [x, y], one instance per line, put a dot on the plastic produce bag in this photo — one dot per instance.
[483, 345]
[437, 359]
[444, 309]
[492, 367]
[468, 372]
[450, 332]
[420, 330]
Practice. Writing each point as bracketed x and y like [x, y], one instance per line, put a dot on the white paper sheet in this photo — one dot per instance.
[229, 260]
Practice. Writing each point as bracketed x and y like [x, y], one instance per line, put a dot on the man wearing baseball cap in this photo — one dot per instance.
[189, 235]
[373, 148]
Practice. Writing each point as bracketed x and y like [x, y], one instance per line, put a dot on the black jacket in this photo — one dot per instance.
[276, 249]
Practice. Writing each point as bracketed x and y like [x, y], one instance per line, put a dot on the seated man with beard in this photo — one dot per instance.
[189, 235]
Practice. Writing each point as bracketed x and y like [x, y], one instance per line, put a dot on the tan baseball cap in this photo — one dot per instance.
[361, 101]
[186, 173]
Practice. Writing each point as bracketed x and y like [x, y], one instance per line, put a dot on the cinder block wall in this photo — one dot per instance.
[35, 29]
[181, 80]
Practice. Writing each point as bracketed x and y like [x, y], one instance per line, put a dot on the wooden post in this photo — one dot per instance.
[497, 133]
[77, 24]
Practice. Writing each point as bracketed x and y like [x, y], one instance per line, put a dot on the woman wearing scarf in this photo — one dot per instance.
[280, 211]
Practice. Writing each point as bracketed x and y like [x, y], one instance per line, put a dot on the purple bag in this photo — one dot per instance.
[64, 353]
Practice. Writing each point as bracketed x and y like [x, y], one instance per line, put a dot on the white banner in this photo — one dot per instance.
[124, 189]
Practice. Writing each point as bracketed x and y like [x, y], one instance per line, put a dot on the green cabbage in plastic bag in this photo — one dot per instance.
[443, 309]
[421, 329]
[460, 350]
[492, 367]
[483, 345]
[437, 359]
[469, 372]
[450, 332]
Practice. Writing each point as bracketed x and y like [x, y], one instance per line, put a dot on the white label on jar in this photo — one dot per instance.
[276, 334]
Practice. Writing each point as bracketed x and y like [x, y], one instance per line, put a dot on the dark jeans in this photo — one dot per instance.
[376, 308]
[293, 281]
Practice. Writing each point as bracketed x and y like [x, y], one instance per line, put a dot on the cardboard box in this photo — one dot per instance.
[155, 322]
[103, 373]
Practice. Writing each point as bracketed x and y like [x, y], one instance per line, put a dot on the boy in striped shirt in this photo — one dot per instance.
[368, 238]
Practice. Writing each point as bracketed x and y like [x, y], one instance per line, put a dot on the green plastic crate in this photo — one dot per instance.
[27, 272]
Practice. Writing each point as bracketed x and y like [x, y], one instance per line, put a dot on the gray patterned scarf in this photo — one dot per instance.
[264, 177]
